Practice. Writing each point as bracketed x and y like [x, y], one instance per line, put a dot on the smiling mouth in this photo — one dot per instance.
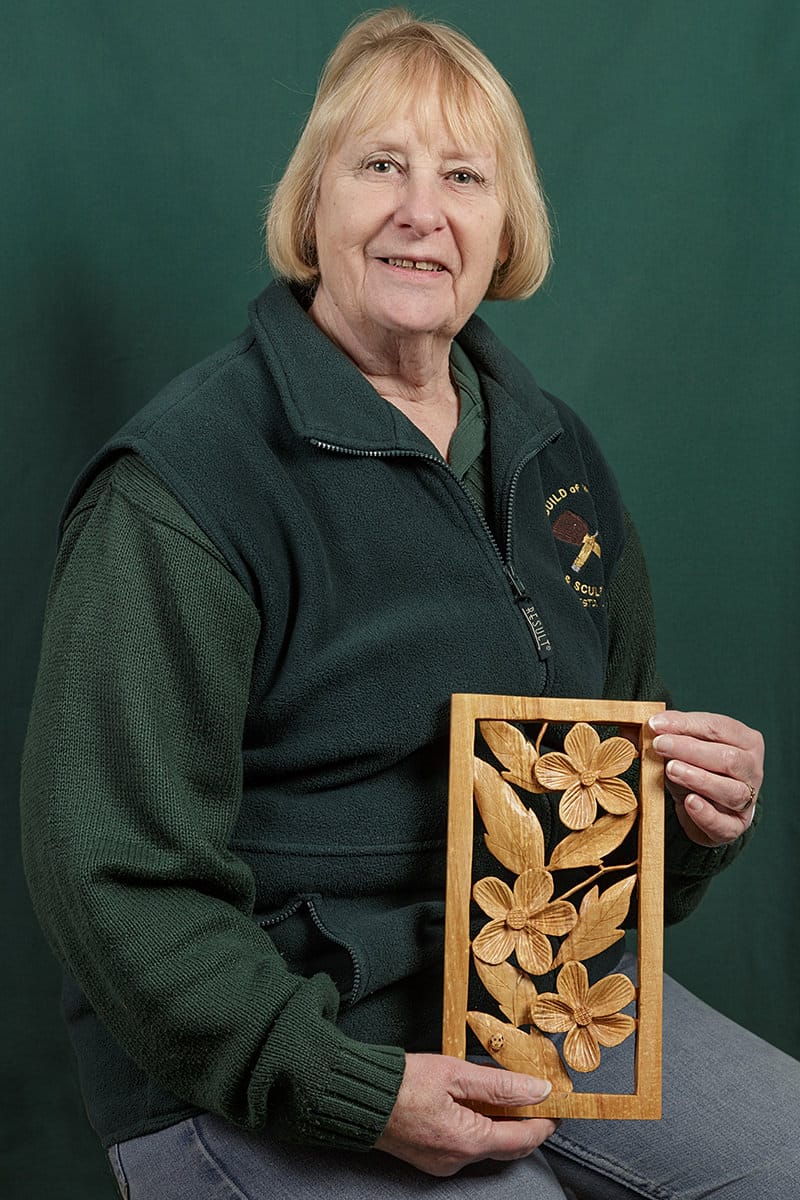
[413, 264]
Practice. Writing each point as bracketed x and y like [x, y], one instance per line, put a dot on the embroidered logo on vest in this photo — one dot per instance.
[574, 527]
[571, 528]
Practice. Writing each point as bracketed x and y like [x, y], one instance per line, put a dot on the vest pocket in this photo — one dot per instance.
[364, 945]
[303, 939]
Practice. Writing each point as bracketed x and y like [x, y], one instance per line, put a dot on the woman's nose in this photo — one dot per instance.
[420, 205]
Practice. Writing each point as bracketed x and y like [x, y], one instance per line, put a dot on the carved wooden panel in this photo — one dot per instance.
[532, 923]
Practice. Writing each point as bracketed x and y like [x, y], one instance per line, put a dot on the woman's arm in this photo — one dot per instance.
[132, 782]
[691, 861]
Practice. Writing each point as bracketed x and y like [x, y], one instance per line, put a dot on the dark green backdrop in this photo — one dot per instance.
[137, 144]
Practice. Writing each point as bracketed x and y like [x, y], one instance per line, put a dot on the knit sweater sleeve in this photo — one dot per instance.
[632, 674]
[132, 779]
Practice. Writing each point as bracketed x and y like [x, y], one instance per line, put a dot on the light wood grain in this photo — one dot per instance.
[459, 875]
[630, 718]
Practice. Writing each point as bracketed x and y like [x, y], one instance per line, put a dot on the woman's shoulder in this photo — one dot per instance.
[128, 492]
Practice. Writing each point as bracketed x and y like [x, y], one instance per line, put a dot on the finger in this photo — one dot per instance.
[719, 758]
[707, 825]
[472, 1137]
[518, 1139]
[708, 727]
[504, 1139]
[492, 1086]
[736, 795]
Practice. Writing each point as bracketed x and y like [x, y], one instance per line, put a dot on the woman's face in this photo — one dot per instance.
[409, 227]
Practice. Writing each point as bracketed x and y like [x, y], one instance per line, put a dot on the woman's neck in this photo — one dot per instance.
[410, 371]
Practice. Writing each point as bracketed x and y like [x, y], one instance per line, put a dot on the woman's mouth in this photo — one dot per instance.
[414, 264]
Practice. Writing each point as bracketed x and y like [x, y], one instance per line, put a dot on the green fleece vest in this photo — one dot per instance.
[382, 589]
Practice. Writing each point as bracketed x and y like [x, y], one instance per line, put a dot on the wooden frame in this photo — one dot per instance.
[511, 836]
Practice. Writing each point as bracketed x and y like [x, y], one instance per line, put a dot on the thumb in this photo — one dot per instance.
[492, 1085]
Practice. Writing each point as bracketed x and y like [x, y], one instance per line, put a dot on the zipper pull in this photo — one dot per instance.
[543, 647]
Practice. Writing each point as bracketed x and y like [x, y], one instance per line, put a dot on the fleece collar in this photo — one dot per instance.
[328, 400]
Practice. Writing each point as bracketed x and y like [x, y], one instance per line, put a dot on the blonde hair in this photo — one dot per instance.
[380, 62]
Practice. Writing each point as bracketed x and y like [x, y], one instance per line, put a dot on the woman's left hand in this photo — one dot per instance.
[715, 766]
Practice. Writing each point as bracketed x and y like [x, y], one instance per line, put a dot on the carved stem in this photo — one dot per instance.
[597, 874]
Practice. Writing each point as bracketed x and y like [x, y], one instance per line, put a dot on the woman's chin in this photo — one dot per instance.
[413, 316]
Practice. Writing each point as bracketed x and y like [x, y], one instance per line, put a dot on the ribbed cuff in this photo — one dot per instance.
[357, 1095]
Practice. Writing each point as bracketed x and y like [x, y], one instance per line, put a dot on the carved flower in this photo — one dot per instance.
[586, 774]
[522, 919]
[589, 1016]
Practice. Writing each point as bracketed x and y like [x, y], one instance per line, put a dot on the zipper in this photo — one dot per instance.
[528, 609]
[283, 914]
[522, 597]
[524, 600]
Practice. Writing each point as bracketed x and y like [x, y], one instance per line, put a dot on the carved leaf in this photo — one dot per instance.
[530, 1053]
[513, 833]
[514, 751]
[588, 847]
[598, 921]
[513, 990]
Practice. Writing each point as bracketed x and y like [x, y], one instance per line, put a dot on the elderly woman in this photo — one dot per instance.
[269, 584]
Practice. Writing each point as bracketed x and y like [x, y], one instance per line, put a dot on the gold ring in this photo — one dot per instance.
[751, 798]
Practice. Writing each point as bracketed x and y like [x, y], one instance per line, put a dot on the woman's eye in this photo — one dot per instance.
[381, 166]
[463, 177]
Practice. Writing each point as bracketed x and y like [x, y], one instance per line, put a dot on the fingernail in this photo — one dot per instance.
[542, 1087]
[663, 743]
[659, 721]
[693, 803]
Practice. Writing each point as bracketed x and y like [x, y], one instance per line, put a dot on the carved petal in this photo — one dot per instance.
[609, 995]
[581, 745]
[494, 943]
[556, 918]
[577, 808]
[534, 952]
[555, 771]
[613, 756]
[573, 983]
[612, 1030]
[553, 1014]
[533, 889]
[615, 795]
[581, 1049]
[493, 895]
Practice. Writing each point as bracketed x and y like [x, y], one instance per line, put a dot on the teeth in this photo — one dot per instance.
[409, 263]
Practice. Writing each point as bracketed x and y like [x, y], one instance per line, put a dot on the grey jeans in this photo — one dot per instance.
[730, 1130]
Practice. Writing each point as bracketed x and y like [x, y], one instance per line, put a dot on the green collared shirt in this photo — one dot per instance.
[466, 454]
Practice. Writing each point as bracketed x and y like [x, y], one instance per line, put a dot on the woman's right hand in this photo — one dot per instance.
[432, 1129]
